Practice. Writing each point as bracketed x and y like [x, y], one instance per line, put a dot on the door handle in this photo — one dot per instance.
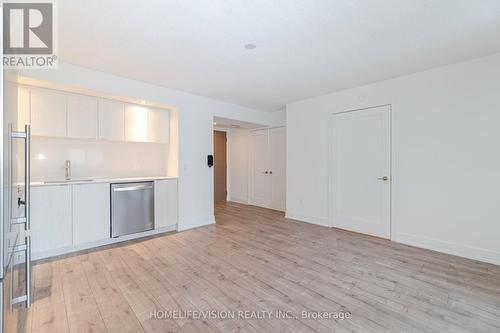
[133, 188]
[384, 178]
[265, 172]
[270, 172]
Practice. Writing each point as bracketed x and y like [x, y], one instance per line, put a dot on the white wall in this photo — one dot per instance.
[239, 166]
[278, 118]
[195, 130]
[446, 156]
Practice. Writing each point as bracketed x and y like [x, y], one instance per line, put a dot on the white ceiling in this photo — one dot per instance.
[304, 48]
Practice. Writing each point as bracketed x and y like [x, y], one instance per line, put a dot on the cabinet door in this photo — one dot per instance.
[82, 117]
[165, 203]
[91, 213]
[136, 123]
[50, 217]
[111, 120]
[159, 126]
[48, 113]
[23, 108]
[277, 162]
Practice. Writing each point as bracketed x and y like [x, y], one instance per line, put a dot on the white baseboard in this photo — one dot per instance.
[318, 220]
[102, 242]
[195, 223]
[447, 247]
[422, 242]
[239, 200]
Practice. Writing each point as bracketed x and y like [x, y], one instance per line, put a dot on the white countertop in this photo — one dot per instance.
[91, 180]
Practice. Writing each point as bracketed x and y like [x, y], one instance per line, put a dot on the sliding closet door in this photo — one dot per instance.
[277, 159]
[259, 166]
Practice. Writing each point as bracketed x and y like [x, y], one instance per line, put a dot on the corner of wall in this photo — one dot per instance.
[447, 247]
[318, 220]
[195, 223]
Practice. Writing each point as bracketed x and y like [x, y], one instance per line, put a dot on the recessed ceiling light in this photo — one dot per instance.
[215, 123]
[250, 46]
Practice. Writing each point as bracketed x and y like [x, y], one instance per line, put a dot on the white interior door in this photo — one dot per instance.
[259, 184]
[277, 146]
[361, 172]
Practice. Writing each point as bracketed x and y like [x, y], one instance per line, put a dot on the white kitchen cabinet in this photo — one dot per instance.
[82, 117]
[111, 120]
[165, 203]
[48, 113]
[51, 226]
[23, 108]
[159, 126]
[91, 212]
[136, 123]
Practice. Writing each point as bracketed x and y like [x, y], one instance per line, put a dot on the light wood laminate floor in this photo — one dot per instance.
[254, 259]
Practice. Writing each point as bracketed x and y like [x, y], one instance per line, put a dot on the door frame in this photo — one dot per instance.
[391, 165]
[228, 161]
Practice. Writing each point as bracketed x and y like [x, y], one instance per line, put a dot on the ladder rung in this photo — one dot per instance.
[19, 299]
[16, 134]
[19, 248]
[18, 220]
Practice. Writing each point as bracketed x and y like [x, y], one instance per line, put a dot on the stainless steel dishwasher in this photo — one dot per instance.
[132, 208]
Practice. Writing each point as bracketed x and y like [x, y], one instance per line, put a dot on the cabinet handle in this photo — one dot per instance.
[265, 172]
[270, 172]
[133, 188]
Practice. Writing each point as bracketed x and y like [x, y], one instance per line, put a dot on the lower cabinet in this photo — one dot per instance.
[91, 212]
[63, 217]
[51, 218]
[165, 203]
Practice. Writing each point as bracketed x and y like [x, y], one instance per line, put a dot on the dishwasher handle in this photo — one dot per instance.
[133, 188]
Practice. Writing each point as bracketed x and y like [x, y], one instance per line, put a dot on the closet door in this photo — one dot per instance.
[277, 161]
[260, 177]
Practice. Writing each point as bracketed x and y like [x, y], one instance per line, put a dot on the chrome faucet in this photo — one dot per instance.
[67, 169]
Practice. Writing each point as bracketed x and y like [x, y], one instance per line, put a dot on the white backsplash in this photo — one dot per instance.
[96, 159]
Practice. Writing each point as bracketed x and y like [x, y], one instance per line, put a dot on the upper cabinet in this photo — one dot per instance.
[111, 120]
[82, 117]
[59, 114]
[23, 108]
[136, 123]
[159, 126]
[48, 113]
